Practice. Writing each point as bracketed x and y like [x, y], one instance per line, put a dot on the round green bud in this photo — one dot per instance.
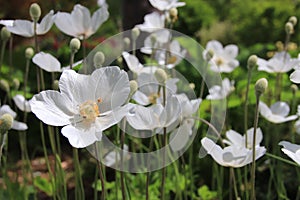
[293, 20]
[133, 87]
[35, 12]
[289, 28]
[16, 83]
[161, 76]
[29, 52]
[99, 59]
[4, 85]
[6, 122]
[74, 45]
[5, 34]
[261, 86]
[55, 85]
[135, 32]
[126, 42]
[294, 88]
[173, 14]
[252, 61]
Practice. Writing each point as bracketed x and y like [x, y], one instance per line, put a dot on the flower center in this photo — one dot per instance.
[219, 61]
[172, 60]
[89, 110]
[153, 97]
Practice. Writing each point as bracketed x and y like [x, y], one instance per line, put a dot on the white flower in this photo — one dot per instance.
[277, 113]
[134, 64]
[102, 3]
[237, 154]
[79, 23]
[22, 103]
[224, 58]
[20, 126]
[152, 22]
[8, 22]
[86, 104]
[49, 63]
[295, 76]
[281, 62]
[292, 150]
[164, 5]
[217, 92]
[25, 28]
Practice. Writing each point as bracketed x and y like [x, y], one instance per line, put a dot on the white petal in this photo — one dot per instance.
[213, 149]
[290, 146]
[100, 16]
[7, 22]
[52, 108]
[215, 46]
[180, 137]
[231, 51]
[22, 103]
[45, 24]
[81, 18]
[280, 108]
[64, 23]
[47, 62]
[133, 63]
[80, 137]
[6, 109]
[295, 76]
[141, 98]
[234, 138]
[19, 126]
[22, 27]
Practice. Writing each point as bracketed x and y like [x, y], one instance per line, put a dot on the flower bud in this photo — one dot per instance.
[294, 88]
[289, 28]
[260, 86]
[293, 20]
[173, 14]
[4, 85]
[133, 87]
[55, 85]
[161, 76]
[16, 83]
[74, 45]
[252, 60]
[29, 52]
[5, 34]
[6, 122]
[126, 41]
[192, 86]
[135, 32]
[99, 59]
[35, 12]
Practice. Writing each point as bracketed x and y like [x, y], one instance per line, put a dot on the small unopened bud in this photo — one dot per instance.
[35, 12]
[209, 55]
[6, 122]
[135, 32]
[289, 28]
[29, 52]
[192, 86]
[260, 86]
[16, 83]
[133, 87]
[74, 45]
[55, 85]
[126, 41]
[4, 85]
[252, 60]
[293, 20]
[161, 76]
[99, 59]
[5, 34]
[173, 14]
[294, 88]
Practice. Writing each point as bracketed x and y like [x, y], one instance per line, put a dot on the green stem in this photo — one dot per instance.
[122, 159]
[101, 176]
[79, 189]
[2, 54]
[163, 172]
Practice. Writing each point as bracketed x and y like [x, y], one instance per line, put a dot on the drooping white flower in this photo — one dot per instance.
[224, 58]
[236, 154]
[218, 92]
[79, 23]
[20, 126]
[292, 150]
[86, 104]
[49, 63]
[152, 22]
[281, 62]
[22, 103]
[25, 28]
[277, 113]
[164, 5]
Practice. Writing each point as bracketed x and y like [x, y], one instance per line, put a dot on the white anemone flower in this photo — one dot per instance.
[49, 63]
[25, 28]
[22, 103]
[86, 104]
[277, 113]
[218, 92]
[236, 154]
[135, 66]
[79, 23]
[292, 150]
[152, 22]
[19, 126]
[164, 5]
[281, 62]
[224, 58]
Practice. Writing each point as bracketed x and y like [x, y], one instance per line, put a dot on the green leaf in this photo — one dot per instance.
[44, 185]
